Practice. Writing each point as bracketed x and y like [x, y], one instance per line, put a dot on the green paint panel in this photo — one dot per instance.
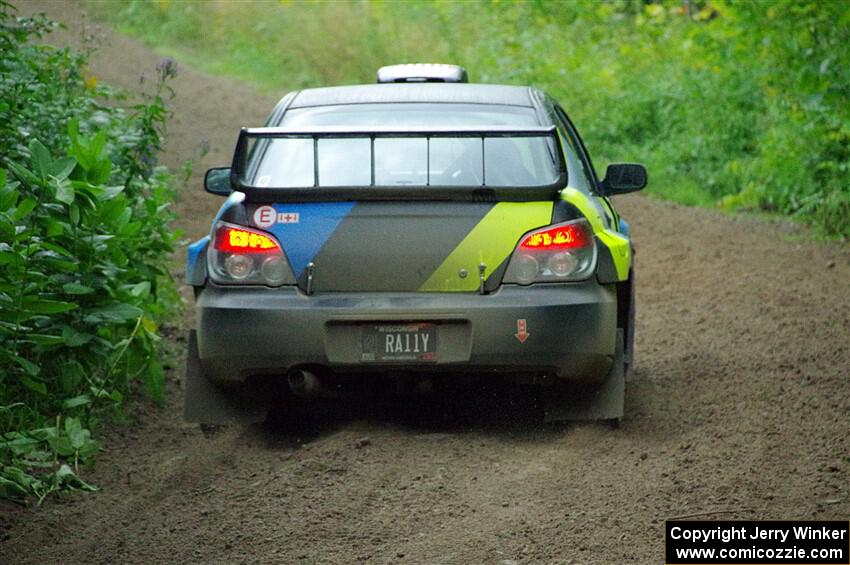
[617, 244]
[490, 243]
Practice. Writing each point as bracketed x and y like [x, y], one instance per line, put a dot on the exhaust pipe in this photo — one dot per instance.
[303, 383]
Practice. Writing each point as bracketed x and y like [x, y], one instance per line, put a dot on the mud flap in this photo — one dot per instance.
[205, 403]
[603, 403]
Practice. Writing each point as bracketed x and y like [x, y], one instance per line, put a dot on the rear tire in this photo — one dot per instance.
[210, 430]
[627, 302]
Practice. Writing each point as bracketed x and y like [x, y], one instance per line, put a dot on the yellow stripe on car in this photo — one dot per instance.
[489, 243]
[617, 244]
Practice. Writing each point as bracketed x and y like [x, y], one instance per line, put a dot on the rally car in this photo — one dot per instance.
[422, 226]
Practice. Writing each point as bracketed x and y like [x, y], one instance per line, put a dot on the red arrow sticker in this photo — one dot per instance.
[521, 330]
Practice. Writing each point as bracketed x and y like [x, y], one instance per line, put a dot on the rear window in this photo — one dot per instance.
[408, 161]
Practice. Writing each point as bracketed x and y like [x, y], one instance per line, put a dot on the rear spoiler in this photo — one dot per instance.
[253, 142]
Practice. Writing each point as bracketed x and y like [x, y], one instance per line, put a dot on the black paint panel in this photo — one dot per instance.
[392, 246]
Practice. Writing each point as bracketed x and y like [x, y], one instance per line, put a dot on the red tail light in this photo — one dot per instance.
[561, 253]
[567, 236]
[242, 240]
[241, 255]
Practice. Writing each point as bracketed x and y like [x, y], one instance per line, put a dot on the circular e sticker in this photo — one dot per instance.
[265, 216]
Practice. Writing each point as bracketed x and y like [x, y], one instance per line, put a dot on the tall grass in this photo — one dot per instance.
[742, 105]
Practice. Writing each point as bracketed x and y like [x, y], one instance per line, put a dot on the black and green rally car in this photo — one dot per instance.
[420, 226]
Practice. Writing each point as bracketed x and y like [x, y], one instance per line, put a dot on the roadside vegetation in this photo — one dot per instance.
[84, 249]
[742, 105]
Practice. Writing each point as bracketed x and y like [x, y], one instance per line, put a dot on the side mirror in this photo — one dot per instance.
[622, 178]
[217, 181]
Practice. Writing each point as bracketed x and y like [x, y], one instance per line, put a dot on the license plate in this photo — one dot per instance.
[399, 342]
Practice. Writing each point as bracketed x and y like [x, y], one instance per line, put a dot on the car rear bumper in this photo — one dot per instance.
[251, 331]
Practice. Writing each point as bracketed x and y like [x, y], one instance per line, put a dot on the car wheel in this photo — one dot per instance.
[210, 430]
[629, 329]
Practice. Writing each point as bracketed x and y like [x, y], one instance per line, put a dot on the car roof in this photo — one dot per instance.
[415, 92]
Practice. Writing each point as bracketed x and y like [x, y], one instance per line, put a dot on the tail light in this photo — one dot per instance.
[241, 255]
[563, 252]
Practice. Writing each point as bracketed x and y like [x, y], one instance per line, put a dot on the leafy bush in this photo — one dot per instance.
[740, 104]
[84, 248]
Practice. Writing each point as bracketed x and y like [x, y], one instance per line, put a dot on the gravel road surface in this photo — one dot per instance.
[739, 407]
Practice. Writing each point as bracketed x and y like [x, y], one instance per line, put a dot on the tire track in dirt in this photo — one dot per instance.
[740, 403]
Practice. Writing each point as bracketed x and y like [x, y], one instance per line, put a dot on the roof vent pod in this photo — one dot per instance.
[422, 73]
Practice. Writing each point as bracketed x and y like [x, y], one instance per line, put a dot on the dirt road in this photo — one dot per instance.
[740, 404]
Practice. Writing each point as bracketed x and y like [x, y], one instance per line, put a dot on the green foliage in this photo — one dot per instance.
[84, 248]
[44, 449]
[742, 104]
